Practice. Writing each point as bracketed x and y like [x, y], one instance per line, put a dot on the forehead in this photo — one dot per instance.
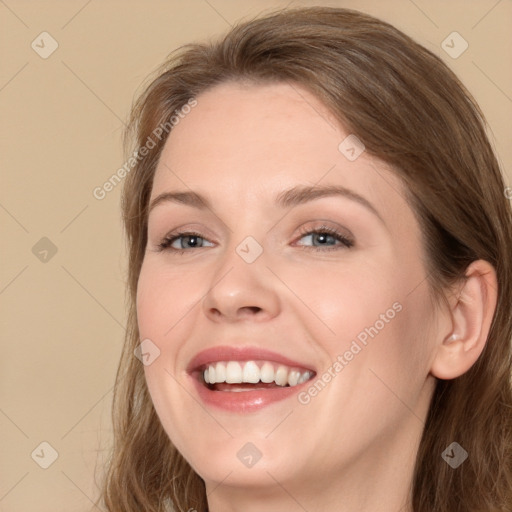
[250, 141]
[235, 122]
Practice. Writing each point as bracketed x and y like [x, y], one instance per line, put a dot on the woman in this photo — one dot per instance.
[320, 280]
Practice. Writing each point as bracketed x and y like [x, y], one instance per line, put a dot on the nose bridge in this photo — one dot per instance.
[247, 231]
[241, 282]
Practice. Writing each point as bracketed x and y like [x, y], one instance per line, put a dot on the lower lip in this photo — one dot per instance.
[244, 401]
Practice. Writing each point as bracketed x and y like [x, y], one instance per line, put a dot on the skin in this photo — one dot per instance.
[353, 445]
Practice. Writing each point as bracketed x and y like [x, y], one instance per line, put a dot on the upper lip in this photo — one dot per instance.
[231, 353]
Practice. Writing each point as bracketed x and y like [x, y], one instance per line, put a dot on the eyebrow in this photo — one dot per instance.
[285, 199]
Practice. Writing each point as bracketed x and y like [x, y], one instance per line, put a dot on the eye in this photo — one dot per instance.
[325, 235]
[181, 241]
[183, 238]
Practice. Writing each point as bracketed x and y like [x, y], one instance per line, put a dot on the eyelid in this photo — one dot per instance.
[169, 239]
[186, 228]
[346, 240]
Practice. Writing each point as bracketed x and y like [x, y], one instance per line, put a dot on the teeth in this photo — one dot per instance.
[234, 372]
[293, 378]
[267, 373]
[281, 377]
[220, 373]
[251, 372]
[304, 377]
[211, 374]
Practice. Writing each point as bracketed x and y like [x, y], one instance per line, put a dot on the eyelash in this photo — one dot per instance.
[347, 243]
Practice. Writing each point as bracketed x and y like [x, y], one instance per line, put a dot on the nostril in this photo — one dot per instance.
[252, 309]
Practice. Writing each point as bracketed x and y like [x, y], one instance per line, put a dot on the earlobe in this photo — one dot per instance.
[471, 314]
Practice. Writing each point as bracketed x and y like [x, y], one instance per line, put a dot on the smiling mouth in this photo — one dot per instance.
[240, 376]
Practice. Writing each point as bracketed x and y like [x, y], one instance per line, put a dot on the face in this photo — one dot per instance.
[296, 284]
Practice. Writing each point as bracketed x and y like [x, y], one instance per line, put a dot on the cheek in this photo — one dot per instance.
[393, 346]
[161, 302]
[341, 300]
[163, 297]
[375, 313]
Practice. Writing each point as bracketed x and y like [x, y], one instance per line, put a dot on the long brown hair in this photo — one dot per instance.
[412, 113]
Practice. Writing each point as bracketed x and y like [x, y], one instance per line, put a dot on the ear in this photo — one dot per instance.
[470, 315]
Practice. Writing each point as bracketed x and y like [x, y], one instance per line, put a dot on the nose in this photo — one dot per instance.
[242, 291]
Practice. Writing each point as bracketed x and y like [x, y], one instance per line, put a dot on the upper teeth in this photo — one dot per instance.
[234, 372]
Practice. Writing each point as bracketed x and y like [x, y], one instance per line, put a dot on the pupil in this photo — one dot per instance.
[193, 240]
[322, 237]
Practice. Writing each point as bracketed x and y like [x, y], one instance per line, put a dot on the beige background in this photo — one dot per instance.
[62, 118]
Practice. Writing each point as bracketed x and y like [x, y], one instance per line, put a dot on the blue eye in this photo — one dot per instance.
[194, 240]
[323, 235]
